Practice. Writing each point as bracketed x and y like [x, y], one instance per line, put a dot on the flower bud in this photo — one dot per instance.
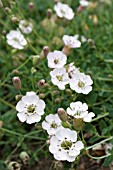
[24, 157]
[7, 10]
[56, 1]
[41, 95]
[49, 13]
[68, 92]
[18, 97]
[58, 165]
[36, 59]
[78, 124]
[44, 52]
[31, 6]
[14, 166]
[17, 82]
[62, 114]
[58, 100]
[14, 19]
[1, 123]
[15, 71]
[66, 50]
[4, 32]
[80, 8]
[1, 4]
[55, 92]
[91, 42]
[33, 70]
[41, 83]
[46, 85]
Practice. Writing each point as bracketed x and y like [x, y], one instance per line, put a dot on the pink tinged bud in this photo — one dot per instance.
[91, 42]
[14, 19]
[46, 50]
[41, 95]
[62, 114]
[41, 83]
[80, 8]
[56, 1]
[66, 50]
[31, 6]
[17, 83]
[49, 13]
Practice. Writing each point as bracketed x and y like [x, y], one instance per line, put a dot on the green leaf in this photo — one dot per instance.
[108, 160]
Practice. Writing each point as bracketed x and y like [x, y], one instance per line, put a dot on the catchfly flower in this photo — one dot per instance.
[71, 41]
[64, 11]
[59, 77]
[16, 39]
[81, 83]
[64, 145]
[79, 111]
[30, 108]
[72, 70]
[52, 123]
[25, 26]
[56, 59]
[84, 3]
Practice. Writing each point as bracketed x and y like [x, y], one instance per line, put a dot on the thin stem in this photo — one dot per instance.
[7, 103]
[99, 117]
[103, 141]
[97, 158]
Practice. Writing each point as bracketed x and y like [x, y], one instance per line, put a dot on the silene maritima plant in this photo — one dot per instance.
[52, 101]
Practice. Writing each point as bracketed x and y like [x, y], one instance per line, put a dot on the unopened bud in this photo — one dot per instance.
[1, 4]
[4, 32]
[46, 85]
[68, 92]
[24, 157]
[66, 50]
[91, 42]
[49, 13]
[58, 165]
[15, 71]
[31, 6]
[7, 10]
[17, 82]
[14, 19]
[41, 83]
[33, 70]
[62, 114]
[78, 123]
[45, 51]
[58, 100]
[56, 1]
[18, 97]
[80, 8]
[14, 166]
[55, 92]
[1, 123]
[41, 95]
[36, 59]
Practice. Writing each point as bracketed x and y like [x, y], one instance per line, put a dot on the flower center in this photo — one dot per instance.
[25, 24]
[66, 145]
[54, 125]
[31, 108]
[78, 113]
[16, 39]
[59, 78]
[81, 84]
[56, 61]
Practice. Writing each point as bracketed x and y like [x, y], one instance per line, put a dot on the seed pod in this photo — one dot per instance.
[66, 50]
[7, 10]
[24, 157]
[17, 83]
[41, 95]
[49, 13]
[18, 97]
[78, 124]
[62, 114]
[14, 19]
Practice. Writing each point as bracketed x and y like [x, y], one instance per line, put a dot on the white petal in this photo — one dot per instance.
[20, 107]
[45, 125]
[22, 116]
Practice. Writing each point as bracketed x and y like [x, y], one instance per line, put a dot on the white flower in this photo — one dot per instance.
[83, 39]
[52, 123]
[30, 108]
[84, 3]
[71, 41]
[79, 110]
[72, 70]
[64, 11]
[25, 26]
[56, 59]
[59, 77]
[81, 83]
[16, 39]
[64, 145]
